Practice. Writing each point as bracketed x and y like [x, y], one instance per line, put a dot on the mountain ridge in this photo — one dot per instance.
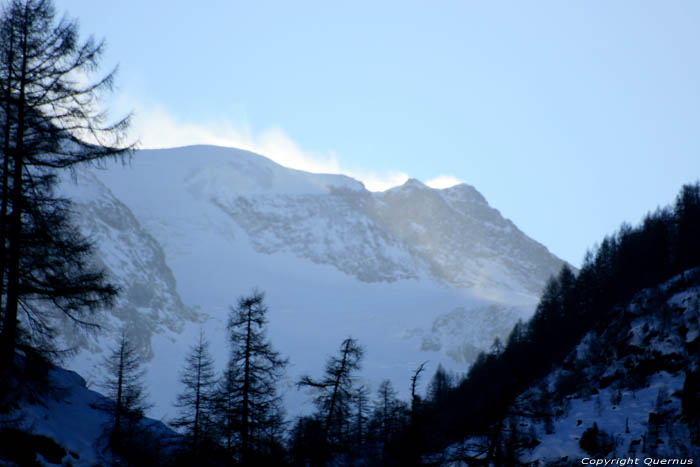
[384, 267]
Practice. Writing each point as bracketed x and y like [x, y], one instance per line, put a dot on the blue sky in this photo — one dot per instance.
[570, 117]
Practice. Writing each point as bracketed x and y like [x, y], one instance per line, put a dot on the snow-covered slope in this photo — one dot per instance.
[71, 417]
[640, 363]
[621, 390]
[148, 303]
[413, 273]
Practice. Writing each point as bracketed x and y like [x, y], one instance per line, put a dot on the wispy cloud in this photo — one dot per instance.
[443, 181]
[380, 182]
[155, 127]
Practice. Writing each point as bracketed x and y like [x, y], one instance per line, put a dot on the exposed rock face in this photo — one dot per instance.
[407, 232]
[464, 240]
[148, 302]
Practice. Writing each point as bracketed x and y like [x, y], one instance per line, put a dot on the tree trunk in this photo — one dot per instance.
[336, 386]
[116, 434]
[9, 330]
[245, 439]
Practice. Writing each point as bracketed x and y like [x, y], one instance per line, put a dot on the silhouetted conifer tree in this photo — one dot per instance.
[440, 386]
[125, 386]
[47, 118]
[362, 410]
[687, 217]
[335, 390]
[254, 371]
[196, 403]
[415, 397]
[227, 411]
[390, 415]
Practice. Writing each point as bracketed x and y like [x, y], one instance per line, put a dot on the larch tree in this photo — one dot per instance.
[125, 386]
[197, 401]
[440, 386]
[362, 412]
[389, 413]
[335, 390]
[227, 410]
[254, 372]
[415, 437]
[50, 120]
[415, 397]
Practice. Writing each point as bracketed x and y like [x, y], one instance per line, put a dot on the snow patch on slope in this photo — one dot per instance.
[70, 416]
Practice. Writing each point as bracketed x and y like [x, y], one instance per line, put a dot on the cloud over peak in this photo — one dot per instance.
[156, 128]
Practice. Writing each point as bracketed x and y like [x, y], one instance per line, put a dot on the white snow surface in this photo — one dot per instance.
[415, 274]
[70, 415]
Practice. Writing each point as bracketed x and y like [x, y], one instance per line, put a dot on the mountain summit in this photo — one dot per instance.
[413, 273]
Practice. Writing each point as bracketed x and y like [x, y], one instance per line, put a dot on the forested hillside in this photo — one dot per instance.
[627, 323]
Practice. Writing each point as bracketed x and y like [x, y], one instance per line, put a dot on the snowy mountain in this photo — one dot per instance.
[413, 273]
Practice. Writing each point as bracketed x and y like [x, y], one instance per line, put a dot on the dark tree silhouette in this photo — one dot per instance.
[687, 215]
[415, 398]
[362, 409]
[254, 371]
[440, 386]
[124, 385]
[227, 410]
[49, 121]
[389, 415]
[197, 400]
[335, 390]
